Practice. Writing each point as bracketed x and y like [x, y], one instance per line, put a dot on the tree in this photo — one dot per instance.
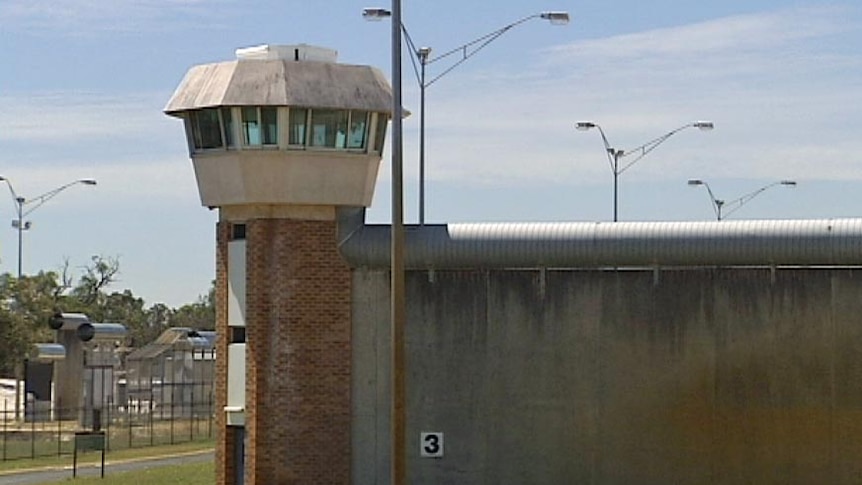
[26, 306]
[199, 315]
[98, 276]
[28, 303]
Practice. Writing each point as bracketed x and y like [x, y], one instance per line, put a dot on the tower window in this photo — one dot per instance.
[298, 121]
[250, 127]
[269, 119]
[380, 134]
[237, 232]
[260, 126]
[206, 129]
[358, 129]
[227, 120]
[328, 128]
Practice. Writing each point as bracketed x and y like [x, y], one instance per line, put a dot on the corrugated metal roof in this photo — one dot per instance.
[310, 84]
[612, 244]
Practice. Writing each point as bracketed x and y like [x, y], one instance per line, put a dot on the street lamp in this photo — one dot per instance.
[398, 410]
[614, 155]
[422, 55]
[31, 205]
[718, 205]
[21, 225]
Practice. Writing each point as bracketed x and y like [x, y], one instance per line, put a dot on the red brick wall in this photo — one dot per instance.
[224, 440]
[298, 354]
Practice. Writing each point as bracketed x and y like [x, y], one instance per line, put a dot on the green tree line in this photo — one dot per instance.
[28, 303]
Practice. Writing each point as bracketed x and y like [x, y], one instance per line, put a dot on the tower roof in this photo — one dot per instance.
[282, 82]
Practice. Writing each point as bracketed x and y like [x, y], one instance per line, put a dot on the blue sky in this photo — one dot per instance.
[83, 83]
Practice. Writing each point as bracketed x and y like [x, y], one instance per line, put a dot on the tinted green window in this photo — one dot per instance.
[358, 129]
[380, 134]
[269, 119]
[206, 129]
[298, 118]
[227, 119]
[329, 128]
[250, 127]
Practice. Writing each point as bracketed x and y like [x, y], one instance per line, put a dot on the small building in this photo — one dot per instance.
[171, 377]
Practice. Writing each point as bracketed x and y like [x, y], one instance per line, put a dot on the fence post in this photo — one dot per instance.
[57, 416]
[32, 426]
[192, 421]
[5, 417]
[151, 419]
[173, 403]
[108, 419]
[129, 415]
[211, 415]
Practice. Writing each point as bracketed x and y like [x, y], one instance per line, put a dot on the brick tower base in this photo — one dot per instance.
[298, 355]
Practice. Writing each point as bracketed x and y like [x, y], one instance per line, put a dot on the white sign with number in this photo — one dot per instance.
[431, 445]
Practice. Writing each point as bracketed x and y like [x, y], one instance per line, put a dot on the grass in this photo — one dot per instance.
[189, 474]
[93, 457]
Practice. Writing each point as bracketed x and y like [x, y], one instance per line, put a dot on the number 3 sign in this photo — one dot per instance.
[431, 445]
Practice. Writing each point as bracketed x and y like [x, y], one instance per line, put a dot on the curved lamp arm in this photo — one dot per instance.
[716, 203]
[734, 205]
[11, 189]
[737, 203]
[467, 50]
[642, 150]
[609, 151]
[471, 48]
[37, 201]
[614, 155]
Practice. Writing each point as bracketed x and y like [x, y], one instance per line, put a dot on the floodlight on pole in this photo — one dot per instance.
[422, 57]
[614, 155]
[719, 205]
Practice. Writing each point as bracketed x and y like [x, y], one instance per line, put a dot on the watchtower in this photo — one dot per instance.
[280, 139]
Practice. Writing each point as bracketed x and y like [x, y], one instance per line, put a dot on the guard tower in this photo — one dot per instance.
[280, 139]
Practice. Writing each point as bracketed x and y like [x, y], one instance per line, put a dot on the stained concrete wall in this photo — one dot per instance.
[679, 376]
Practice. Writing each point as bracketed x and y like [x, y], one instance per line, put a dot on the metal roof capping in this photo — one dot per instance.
[816, 242]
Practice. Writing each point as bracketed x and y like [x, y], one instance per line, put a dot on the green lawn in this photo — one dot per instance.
[190, 474]
[94, 457]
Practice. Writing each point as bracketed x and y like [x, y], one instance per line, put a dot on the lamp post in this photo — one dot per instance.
[398, 462]
[32, 204]
[21, 225]
[718, 205]
[615, 155]
[422, 56]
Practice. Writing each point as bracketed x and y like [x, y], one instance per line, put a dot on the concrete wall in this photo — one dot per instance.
[680, 376]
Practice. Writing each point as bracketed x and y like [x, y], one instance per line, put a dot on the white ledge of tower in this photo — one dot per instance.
[297, 52]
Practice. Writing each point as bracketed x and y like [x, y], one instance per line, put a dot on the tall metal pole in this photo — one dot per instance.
[398, 408]
[616, 182]
[20, 203]
[423, 59]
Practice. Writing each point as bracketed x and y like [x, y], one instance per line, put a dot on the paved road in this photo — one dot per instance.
[34, 477]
